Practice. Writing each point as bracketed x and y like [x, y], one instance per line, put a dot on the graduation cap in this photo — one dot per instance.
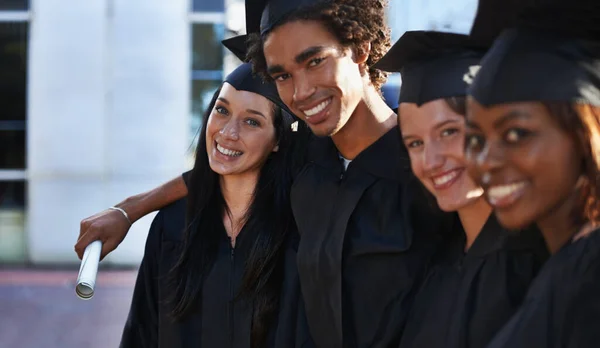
[243, 79]
[544, 58]
[432, 64]
[263, 15]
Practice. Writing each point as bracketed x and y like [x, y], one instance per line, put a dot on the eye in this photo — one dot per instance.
[221, 110]
[449, 132]
[414, 144]
[281, 78]
[474, 142]
[252, 122]
[315, 61]
[515, 135]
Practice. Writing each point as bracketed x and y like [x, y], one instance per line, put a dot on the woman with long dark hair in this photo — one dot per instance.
[533, 144]
[480, 275]
[219, 267]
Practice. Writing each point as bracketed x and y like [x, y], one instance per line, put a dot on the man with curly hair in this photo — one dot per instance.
[354, 202]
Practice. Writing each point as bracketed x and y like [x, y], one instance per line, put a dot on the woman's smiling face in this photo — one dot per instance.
[526, 162]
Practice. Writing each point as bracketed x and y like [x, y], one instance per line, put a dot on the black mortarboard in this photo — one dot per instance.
[433, 65]
[552, 55]
[263, 15]
[243, 79]
[237, 45]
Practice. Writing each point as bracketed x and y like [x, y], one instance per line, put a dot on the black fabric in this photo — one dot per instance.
[562, 307]
[237, 45]
[366, 235]
[467, 298]
[525, 65]
[433, 65]
[222, 319]
[186, 178]
[243, 79]
[263, 15]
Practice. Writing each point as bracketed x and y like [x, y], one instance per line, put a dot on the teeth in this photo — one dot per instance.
[317, 108]
[228, 152]
[496, 193]
[445, 179]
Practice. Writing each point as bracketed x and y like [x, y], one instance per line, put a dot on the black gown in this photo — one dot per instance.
[562, 307]
[467, 298]
[224, 320]
[358, 257]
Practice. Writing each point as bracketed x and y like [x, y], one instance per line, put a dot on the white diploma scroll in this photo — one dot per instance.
[86, 281]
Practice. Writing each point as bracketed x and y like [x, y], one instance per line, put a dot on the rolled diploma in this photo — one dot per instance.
[86, 280]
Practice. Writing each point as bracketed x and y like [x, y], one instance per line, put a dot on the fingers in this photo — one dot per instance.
[108, 226]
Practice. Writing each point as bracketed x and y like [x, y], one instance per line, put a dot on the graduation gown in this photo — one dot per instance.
[224, 320]
[359, 257]
[467, 298]
[562, 307]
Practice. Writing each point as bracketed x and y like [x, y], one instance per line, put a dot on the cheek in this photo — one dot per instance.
[286, 92]
[471, 165]
[457, 149]
[212, 127]
[556, 172]
[416, 165]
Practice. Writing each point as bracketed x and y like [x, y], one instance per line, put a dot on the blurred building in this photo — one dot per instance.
[102, 99]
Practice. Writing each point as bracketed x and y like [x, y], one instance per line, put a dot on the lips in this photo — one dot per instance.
[228, 152]
[503, 196]
[446, 179]
[317, 113]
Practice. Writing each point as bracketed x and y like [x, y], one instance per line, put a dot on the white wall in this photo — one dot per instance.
[108, 91]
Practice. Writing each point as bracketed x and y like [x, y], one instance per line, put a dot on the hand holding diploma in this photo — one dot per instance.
[86, 280]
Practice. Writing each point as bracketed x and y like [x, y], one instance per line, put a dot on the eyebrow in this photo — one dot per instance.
[300, 58]
[256, 112]
[445, 123]
[512, 115]
[252, 111]
[437, 126]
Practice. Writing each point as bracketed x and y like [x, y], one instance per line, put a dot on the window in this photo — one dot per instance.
[207, 31]
[208, 5]
[14, 31]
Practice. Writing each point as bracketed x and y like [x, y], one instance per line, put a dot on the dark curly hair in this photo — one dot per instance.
[352, 22]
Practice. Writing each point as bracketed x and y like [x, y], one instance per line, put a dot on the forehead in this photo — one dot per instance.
[246, 99]
[431, 112]
[291, 38]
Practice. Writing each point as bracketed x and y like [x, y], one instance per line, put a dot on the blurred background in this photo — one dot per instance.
[102, 99]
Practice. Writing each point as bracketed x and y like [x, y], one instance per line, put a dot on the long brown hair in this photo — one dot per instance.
[582, 122]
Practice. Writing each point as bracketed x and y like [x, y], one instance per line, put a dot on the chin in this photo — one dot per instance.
[513, 221]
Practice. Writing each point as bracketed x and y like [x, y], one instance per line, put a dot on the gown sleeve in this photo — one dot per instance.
[186, 178]
[583, 314]
[141, 327]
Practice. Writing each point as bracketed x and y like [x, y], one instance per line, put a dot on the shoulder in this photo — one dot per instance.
[172, 219]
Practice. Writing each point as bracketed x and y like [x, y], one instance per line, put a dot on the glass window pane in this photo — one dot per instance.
[207, 51]
[12, 149]
[208, 5]
[12, 221]
[16, 5]
[202, 92]
[13, 70]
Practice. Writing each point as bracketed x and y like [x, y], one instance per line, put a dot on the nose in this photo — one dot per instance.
[433, 158]
[489, 160]
[230, 130]
[303, 88]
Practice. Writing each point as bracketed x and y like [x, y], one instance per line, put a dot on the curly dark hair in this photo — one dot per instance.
[352, 22]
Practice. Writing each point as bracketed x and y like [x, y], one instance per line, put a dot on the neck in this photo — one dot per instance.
[472, 218]
[237, 191]
[371, 119]
[558, 226]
